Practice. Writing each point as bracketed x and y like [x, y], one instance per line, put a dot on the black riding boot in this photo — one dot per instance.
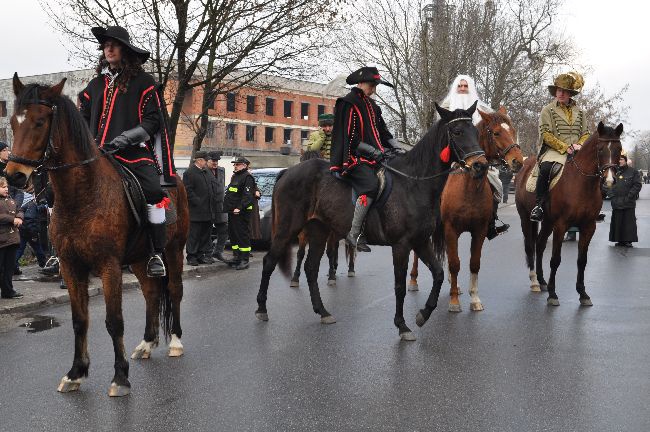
[156, 265]
[493, 230]
[243, 261]
[360, 210]
[541, 190]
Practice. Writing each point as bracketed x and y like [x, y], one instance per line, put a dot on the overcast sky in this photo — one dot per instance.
[610, 35]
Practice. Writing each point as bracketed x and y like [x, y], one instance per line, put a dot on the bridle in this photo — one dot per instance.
[600, 169]
[50, 149]
[452, 170]
[501, 154]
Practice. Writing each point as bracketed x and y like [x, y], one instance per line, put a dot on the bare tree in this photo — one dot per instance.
[201, 43]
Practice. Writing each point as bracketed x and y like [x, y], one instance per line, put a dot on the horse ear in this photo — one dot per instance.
[502, 110]
[471, 109]
[484, 116]
[18, 86]
[619, 129]
[54, 91]
[444, 113]
[601, 127]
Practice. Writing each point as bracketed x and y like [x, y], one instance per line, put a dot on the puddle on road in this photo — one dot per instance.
[39, 323]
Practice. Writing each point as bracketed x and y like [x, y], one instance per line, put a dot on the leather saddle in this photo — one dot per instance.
[385, 187]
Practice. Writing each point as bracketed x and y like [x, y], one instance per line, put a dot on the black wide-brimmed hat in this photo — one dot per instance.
[366, 74]
[215, 155]
[119, 34]
[241, 159]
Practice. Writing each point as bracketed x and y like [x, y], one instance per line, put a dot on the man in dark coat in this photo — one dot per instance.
[359, 141]
[124, 109]
[505, 175]
[199, 198]
[219, 218]
[238, 202]
[15, 193]
[625, 192]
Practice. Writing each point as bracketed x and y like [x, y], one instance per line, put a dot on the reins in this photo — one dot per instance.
[599, 169]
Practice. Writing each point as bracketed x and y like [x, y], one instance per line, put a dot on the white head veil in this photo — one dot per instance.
[455, 100]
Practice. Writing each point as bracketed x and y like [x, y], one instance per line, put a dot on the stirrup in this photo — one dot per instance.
[51, 261]
[156, 260]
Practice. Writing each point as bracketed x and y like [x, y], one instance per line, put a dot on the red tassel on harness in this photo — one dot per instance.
[445, 154]
[364, 200]
[164, 203]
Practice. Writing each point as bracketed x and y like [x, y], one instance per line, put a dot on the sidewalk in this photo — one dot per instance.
[40, 290]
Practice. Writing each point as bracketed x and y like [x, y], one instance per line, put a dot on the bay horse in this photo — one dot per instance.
[91, 226]
[575, 200]
[308, 197]
[332, 248]
[467, 201]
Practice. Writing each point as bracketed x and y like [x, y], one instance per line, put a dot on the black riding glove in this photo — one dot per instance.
[369, 152]
[133, 136]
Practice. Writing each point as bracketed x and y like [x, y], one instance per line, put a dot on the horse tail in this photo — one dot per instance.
[165, 308]
[530, 242]
[439, 244]
[284, 255]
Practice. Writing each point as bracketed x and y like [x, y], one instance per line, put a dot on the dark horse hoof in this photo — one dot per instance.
[553, 301]
[262, 316]
[586, 302]
[420, 319]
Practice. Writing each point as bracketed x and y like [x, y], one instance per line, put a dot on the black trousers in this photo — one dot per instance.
[240, 231]
[7, 267]
[364, 180]
[149, 181]
[220, 230]
[198, 240]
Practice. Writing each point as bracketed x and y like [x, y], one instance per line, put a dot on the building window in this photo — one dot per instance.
[250, 133]
[209, 132]
[288, 107]
[250, 104]
[268, 134]
[230, 131]
[321, 110]
[287, 135]
[270, 105]
[230, 102]
[304, 134]
[3, 108]
[304, 111]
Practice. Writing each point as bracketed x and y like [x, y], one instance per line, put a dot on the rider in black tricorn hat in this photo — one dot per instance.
[359, 141]
[125, 110]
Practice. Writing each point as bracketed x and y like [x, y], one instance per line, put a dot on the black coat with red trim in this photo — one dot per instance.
[357, 119]
[140, 105]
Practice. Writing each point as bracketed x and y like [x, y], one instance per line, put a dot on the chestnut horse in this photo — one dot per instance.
[307, 197]
[467, 202]
[91, 226]
[575, 200]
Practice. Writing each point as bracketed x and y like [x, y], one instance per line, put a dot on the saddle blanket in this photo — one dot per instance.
[531, 183]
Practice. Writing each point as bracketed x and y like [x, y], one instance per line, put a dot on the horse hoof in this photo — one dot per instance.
[543, 287]
[262, 316]
[142, 351]
[553, 302]
[351, 274]
[331, 282]
[175, 352]
[118, 390]
[329, 319]
[535, 288]
[413, 287]
[407, 336]
[67, 385]
[477, 307]
[455, 308]
[586, 302]
[420, 320]
[294, 283]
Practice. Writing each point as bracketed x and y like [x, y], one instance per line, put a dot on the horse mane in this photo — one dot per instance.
[310, 154]
[67, 118]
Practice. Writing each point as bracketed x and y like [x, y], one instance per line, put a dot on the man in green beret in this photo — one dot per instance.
[562, 131]
[321, 140]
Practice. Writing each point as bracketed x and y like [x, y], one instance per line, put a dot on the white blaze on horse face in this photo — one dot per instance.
[20, 118]
[505, 126]
[609, 181]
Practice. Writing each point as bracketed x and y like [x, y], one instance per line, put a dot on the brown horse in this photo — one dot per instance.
[575, 201]
[307, 197]
[467, 202]
[91, 228]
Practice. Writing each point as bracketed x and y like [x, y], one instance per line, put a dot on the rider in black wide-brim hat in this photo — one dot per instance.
[121, 35]
[366, 74]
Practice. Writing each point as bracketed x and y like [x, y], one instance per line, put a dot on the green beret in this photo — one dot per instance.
[326, 120]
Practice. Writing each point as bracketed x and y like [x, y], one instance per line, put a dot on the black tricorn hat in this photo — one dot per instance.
[241, 159]
[366, 74]
[119, 34]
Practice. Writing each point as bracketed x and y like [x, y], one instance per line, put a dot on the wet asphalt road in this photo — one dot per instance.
[518, 366]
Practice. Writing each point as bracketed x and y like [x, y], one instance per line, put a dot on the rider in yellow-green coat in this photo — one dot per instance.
[321, 140]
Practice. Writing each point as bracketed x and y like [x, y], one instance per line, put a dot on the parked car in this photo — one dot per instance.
[265, 179]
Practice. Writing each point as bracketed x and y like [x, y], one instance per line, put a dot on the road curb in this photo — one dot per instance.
[129, 282]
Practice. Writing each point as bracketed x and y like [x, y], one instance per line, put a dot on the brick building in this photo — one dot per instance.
[273, 115]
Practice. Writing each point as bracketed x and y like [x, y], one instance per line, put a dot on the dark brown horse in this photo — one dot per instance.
[332, 248]
[91, 226]
[575, 201]
[307, 197]
[467, 202]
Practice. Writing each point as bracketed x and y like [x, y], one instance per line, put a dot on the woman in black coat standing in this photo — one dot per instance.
[625, 192]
